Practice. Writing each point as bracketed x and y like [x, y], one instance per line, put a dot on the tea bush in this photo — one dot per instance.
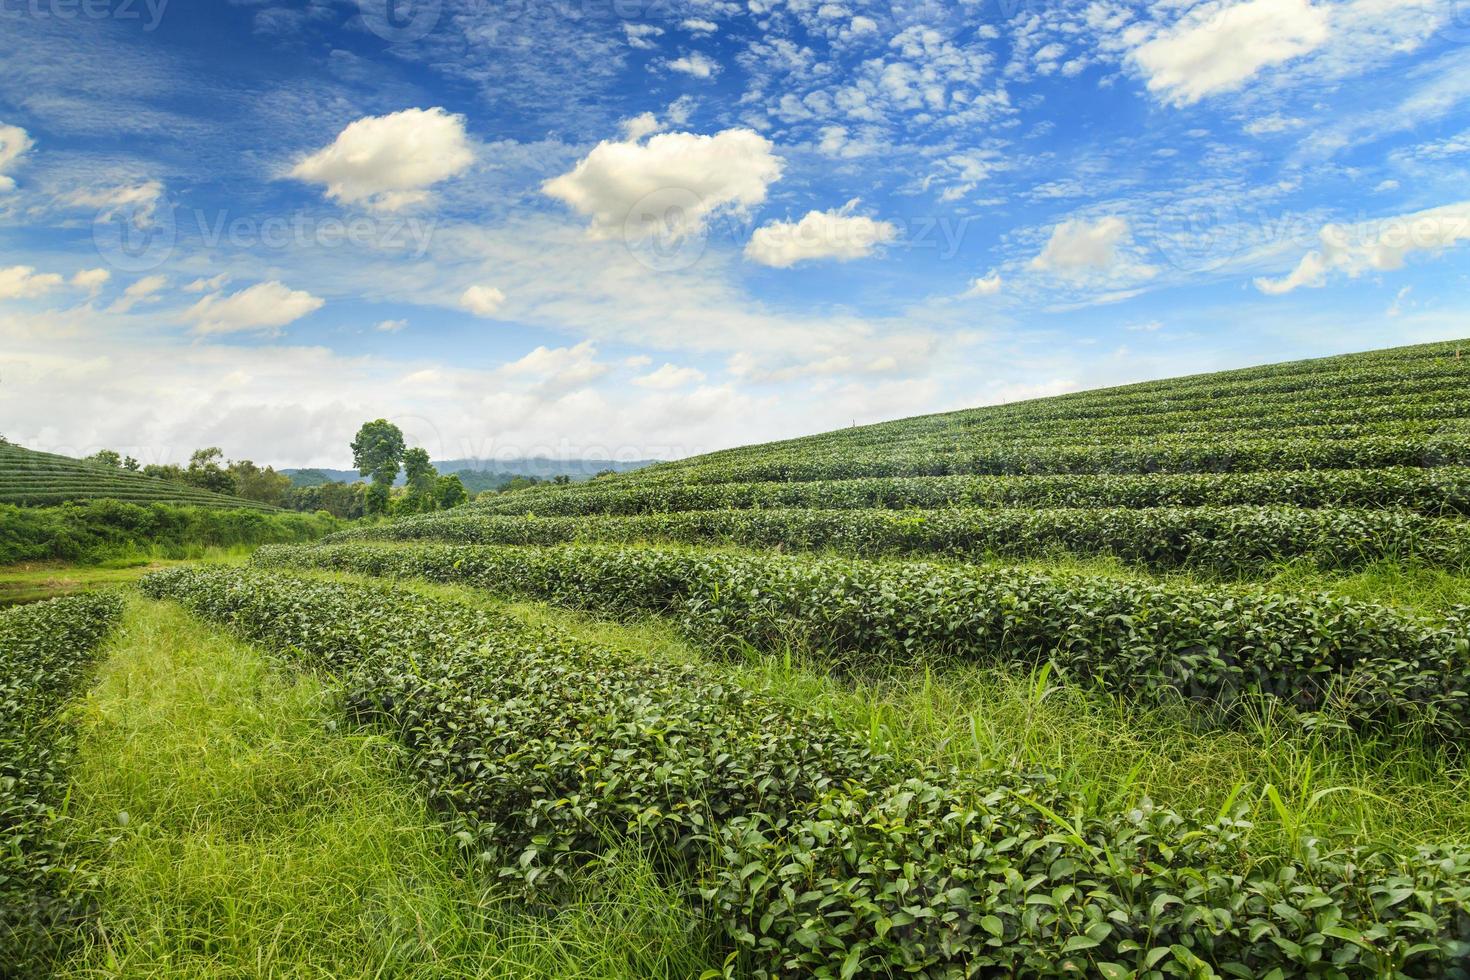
[1146, 641]
[1226, 540]
[819, 857]
[46, 650]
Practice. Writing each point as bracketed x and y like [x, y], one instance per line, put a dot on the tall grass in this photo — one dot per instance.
[251, 835]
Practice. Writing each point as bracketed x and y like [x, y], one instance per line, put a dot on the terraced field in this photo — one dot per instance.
[1189, 554]
[34, 479]
[1170, 680]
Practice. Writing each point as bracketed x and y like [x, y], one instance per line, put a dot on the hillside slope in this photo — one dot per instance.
[34, 479]
[1179, 441]
[1092, 605]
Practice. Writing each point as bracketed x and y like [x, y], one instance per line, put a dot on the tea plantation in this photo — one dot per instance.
[35, 479]
[1167, 680]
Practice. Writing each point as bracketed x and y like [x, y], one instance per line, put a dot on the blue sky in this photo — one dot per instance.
[646, 229]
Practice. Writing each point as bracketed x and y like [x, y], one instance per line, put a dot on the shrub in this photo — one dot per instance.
[46, 650]
[819, 857]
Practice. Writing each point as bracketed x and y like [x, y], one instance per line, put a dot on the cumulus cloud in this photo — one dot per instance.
[1220, 46]
[145, 290]
[670, 376]
[91, 280]
[642, 35]
[389, 162]
[698, 25]
[989, 285]
[1077, 246]
[556, 371]
[390, 326]
[266, 306]
[14, 144]
[837, 234]
[683, 178]
[1374, 246]
[482, 300]
[640, 126]
[696, 65]
[208, 285]
[24, 282]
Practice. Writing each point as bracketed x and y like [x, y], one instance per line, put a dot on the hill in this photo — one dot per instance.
[35, 479]
[1346, 429]
[1169, 679]
[1161, 680]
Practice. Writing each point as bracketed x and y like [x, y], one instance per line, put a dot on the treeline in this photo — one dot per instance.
[98, 530]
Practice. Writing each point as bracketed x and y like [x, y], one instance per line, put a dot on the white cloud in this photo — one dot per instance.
[14, 144]
[1272, 124]
[266, 306]
[837, 234]
[138, 201]
[1077, 246]
[558, 370]
[699, 25]
[145, 290]
[1398, 302]
[1220, 46]
[208, 285]
[640, 126]
[24, 282]
[669, 376]
[482, 300]
[642, 35]
[390, 326]
[683, 178]
[989, 285]
[92, 280]
[1148, 326]
[1385, 186]
[1383, 245]
[638, 361]
[696, 65]
[390, 162]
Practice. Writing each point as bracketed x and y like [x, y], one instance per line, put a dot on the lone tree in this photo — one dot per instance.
[450, 492]
[422, 479]
[376, 452]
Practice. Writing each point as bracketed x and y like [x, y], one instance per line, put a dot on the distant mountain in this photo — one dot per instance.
[486, 472]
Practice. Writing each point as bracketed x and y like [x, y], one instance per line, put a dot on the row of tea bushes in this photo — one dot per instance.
[818, 857]
[1224, 540]
[1146, 641]
[46, 651]
[1436, 491]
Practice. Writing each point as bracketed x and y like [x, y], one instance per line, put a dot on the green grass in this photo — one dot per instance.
[33, 581]
[251, 835]
[1299, 784]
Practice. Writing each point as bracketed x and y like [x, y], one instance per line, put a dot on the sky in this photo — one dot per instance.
[641, 229]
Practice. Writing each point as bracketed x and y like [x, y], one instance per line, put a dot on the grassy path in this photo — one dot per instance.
[251, 837]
